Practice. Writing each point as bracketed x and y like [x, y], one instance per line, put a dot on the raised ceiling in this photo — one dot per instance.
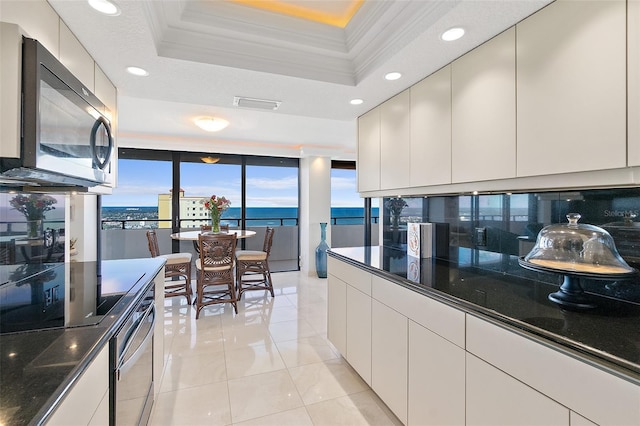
[202, 54]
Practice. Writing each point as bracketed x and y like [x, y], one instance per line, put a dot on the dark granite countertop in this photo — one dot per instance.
[37, 368]
[494, 286]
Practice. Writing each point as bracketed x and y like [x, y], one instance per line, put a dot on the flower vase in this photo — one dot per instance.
[34, 229]
[321, 252]
[215, 224]
[395, 221]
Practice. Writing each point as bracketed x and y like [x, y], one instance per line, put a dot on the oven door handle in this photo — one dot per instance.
[148, 338]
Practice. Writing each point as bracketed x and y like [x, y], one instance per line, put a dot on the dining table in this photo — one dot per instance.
[193, 235]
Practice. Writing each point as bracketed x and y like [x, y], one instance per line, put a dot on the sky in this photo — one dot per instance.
[140, 182]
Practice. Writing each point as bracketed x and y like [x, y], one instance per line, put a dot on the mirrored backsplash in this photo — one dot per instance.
[509, 223]
[32, 228]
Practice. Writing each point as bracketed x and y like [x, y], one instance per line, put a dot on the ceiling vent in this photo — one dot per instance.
[254, 103]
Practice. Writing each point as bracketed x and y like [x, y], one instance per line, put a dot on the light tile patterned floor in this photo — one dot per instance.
[270, 364]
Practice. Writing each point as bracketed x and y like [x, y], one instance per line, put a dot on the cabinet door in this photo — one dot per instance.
[436, 379]
[84, 402]
[389, 346]
[633, 75]
[10, 93]
[75, 57]
[105, 91]
[495, 398]
[430, 162]
[571, 88]
[483, 118]
[37, 19]
[368, 164]
[395, 140]
[359, 332]
[337, 313]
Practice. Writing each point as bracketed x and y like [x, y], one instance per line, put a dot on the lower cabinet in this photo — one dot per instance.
[359, 332]
[436, 379]
[495, 398]
[88, 401]
[389, 345]
[337, 313]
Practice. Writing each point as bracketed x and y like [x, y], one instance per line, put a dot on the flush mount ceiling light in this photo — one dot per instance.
[211, 124]
[392, 76]
[140, 72]
[452, 34]
[356, 101]
[105, 6]
[210, 160]
[243, 102]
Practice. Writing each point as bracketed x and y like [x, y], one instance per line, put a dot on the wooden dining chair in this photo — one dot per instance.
[177, 268]
[215, 281]
[252, 269]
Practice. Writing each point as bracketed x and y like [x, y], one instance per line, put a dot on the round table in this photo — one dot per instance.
[193, 235]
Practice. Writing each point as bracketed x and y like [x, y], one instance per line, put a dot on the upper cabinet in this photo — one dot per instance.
[368, 164]
[395, 140]
[483, 111]
[76, 58]
[571, 86]
[633, 82]
[430, 159]
[37, 19]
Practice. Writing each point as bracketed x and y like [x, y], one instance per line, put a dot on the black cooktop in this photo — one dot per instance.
[55, 295]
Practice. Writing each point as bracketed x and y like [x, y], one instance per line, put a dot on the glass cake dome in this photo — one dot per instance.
[576, 248]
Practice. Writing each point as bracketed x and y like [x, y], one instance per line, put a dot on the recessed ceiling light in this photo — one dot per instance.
[356, 101]
[392, 76]
[452, 34]
[105, 6]
[211, 124]
[140, 72]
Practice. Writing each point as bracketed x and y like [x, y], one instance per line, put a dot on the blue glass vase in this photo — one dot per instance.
[321, 252]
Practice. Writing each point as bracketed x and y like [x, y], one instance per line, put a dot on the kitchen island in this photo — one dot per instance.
[472, 338]
[40, 368]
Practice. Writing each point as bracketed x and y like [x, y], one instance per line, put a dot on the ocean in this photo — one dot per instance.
[256, 216]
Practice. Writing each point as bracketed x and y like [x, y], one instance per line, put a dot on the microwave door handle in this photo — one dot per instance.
[148, 338]
[101, 121]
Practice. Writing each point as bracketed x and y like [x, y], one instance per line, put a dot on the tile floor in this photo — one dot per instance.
[270, 364]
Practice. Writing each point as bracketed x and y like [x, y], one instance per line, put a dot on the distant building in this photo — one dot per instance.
[190, 208]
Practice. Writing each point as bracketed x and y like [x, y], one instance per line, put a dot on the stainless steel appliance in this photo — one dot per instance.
[65, 134]
[131, 384]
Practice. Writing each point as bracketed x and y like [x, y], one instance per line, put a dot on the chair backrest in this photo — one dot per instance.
[8, 252]
[268, 240]
[152, 238]
[217, 250]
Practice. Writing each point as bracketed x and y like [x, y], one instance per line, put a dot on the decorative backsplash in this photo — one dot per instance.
[509, 223]
[32, 228]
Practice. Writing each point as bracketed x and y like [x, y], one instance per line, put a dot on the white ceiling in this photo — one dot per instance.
[200, 54]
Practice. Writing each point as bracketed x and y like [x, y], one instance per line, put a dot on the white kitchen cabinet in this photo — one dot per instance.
[337, 313]
[84, 402]
[76, 58]
[436, 393]
[38, 20]
[389, 355]
[395, 141]
[430, 157]
[571, 85]
[10, 93]
[576, 419]
[633, 82]
[594, 393]
[158, 333]
[106, 92]
[495, 398]
[368, 161]
[483, 105]
[359, 332]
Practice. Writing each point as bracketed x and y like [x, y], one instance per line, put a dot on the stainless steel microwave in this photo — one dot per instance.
[66, 136]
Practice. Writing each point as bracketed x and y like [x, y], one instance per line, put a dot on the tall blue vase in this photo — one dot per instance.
[321, 252]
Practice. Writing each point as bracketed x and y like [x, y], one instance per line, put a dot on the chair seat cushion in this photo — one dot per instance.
[250, 255]
[174, 258]
[212, 268]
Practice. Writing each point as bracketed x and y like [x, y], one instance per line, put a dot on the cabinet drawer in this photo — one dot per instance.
[352, 275]
[443, 320]
[595, 394]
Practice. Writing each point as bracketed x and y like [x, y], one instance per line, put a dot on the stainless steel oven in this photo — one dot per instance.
[131, 382]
